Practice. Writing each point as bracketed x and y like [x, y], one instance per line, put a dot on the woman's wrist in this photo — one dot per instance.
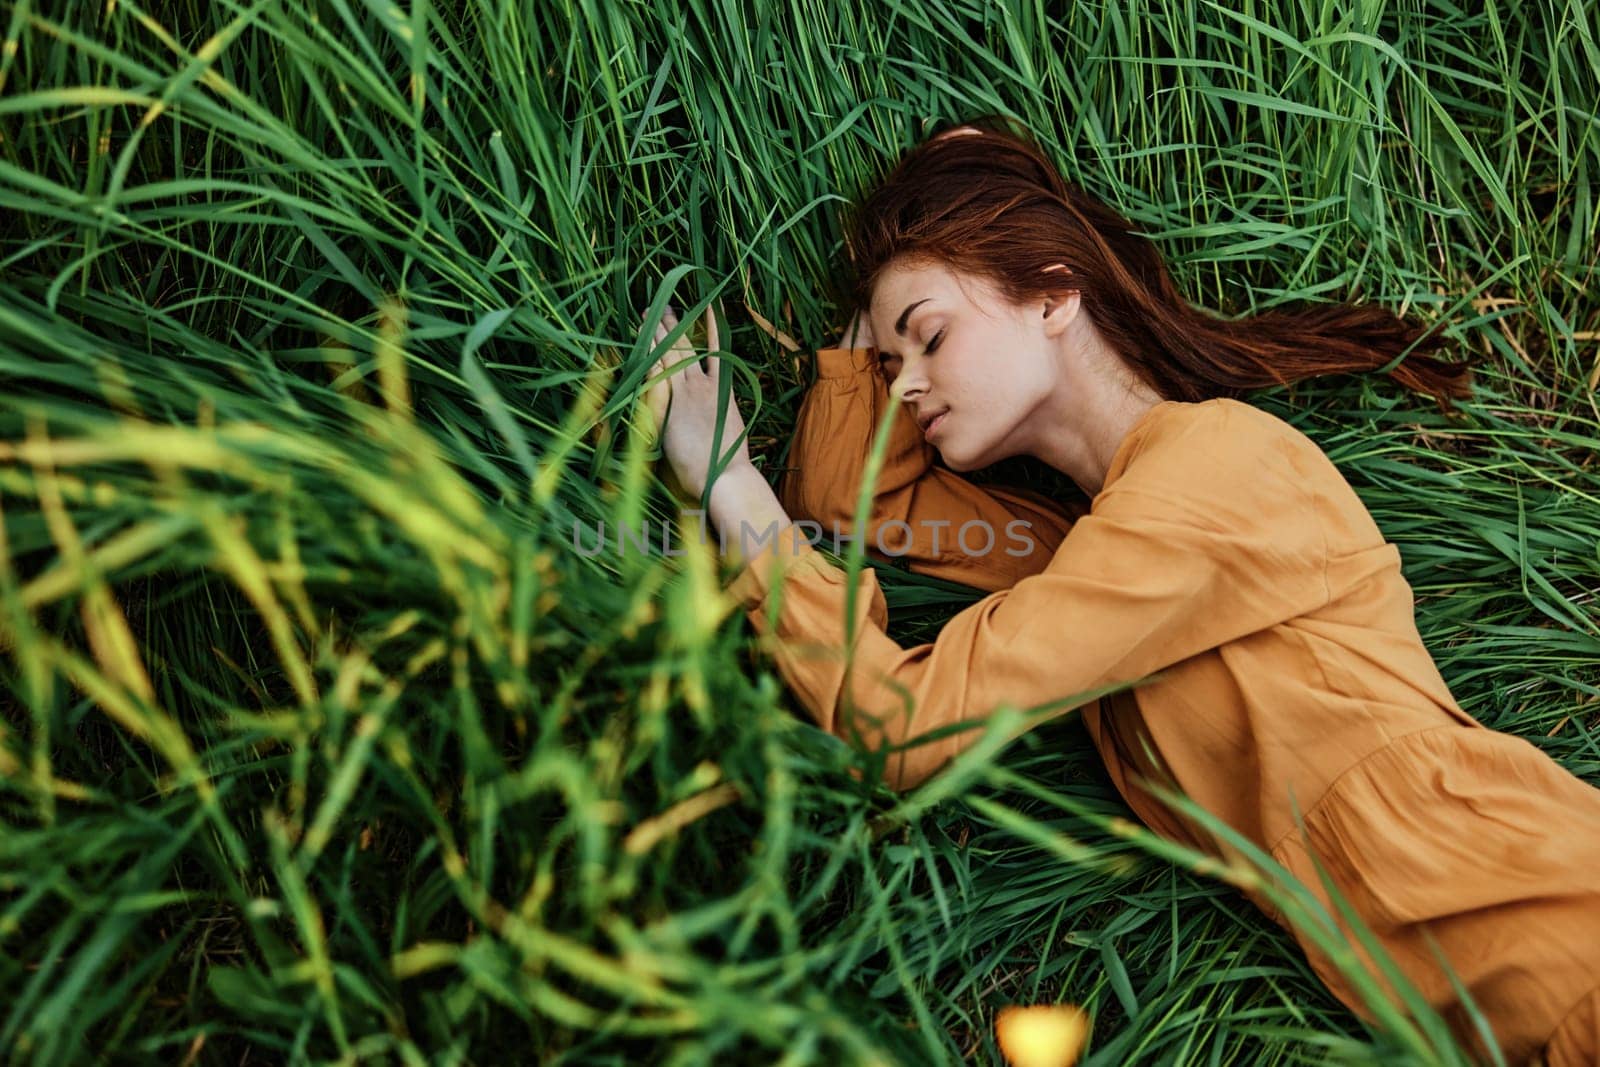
[745, 512]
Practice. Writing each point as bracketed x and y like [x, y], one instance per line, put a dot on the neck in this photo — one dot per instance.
[1096, 403]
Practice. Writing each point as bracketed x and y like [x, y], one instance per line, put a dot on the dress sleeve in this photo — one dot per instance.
[833, 438]
[1208, 537]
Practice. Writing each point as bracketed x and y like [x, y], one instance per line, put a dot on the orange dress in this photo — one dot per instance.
[1226, 552]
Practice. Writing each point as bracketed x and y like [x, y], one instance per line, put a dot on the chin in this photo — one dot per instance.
[956, 462]
[965, 460]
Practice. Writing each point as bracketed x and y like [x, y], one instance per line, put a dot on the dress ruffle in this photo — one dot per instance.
[1483, 843]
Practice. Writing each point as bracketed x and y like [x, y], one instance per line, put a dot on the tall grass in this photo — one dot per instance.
[319, 332]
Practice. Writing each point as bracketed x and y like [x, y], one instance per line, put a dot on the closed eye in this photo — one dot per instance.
[935, 342]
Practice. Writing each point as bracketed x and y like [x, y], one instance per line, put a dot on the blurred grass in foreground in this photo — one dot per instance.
[319, 334]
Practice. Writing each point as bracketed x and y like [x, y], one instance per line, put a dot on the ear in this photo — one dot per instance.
[1062, 307]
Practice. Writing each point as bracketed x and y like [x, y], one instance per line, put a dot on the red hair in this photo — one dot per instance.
[991, 205]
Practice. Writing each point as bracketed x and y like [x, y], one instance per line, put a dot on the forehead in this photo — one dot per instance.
[901, 284]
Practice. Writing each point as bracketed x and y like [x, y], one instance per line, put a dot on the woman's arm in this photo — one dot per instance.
[943, 525]
[1205, 541]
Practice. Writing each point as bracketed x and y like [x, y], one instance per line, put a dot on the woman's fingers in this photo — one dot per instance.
[691, 392]
[656, 400]
[670, 319]
[706, 365]
[713, 362]
[658, 396]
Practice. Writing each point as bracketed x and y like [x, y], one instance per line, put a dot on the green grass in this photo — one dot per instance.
[319, 328]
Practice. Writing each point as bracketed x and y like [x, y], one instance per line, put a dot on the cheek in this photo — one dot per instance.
[989, 418]
[1021, 394]
[979, 426]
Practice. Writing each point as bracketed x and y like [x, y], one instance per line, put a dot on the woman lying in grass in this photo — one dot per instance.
[1006, 314]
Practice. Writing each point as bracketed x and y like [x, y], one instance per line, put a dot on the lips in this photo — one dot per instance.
[932, 422]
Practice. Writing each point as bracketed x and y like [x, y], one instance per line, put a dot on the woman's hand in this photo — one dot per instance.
[684, 409]
[859, 335]
[743, 507]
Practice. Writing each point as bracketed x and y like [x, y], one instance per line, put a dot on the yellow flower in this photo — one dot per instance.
[1041, 1035]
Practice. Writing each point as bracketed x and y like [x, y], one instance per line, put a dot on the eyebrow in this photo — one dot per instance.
[900, 323]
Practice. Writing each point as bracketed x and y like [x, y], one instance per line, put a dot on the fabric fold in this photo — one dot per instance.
[1444, 835]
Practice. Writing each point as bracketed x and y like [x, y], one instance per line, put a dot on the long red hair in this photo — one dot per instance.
[992, 205]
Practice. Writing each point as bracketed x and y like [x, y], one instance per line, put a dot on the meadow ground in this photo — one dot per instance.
[320, 330]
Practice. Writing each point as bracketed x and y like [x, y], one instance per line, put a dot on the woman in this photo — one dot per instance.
[1004, 313]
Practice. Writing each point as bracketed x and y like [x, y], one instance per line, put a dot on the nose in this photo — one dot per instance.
[911, 384]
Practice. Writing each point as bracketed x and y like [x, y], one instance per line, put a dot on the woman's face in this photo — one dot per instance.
[965, 351]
